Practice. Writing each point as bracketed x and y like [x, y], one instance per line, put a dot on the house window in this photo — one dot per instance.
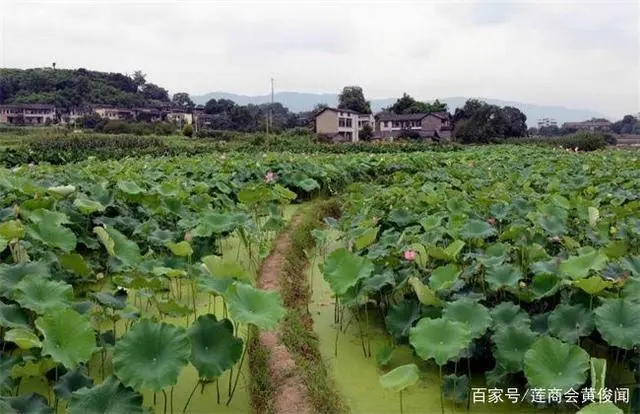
[349, 124]
[341, 122]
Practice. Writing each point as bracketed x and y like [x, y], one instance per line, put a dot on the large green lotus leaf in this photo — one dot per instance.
[630, 291]
[400, 377]
[570, 322]
[455, 387]
[578, 267]
[3, 244]
[13, 316]
[109, 397]
[453, 250]
[118, 245]
[214, 285]
[69, 337]
[249, 305]
[53, 217]
[508, 313]
[214, 349]
[616, 249]
[86, 206]
[72, 381]
[545, 284]
[61, 191]
[366, 238]
[505, 275]
[551, 363]
[618, 321]
[598, 374]
[42, 295]
[51, 233]
[24, 338]
[469, 311]
[11, 230]
[129, 187]
[75, 263]
[11, 275]
[593, 285]
[632, 264]
[308, 184]
[215, 223]
[182, 248]
[171, 307]
[378, 281]
[440, 339]
[116, 301]
[600, 408]
[7, 363]
[5, 407]
[421, 254]
[33, 368]
[151, 355]
[343, 269]
[477, 229]
[553, 225]
[219, 267]
[31, 404]
[401, 317]
[444, 277]
[511, 343]
[401, 217]
[425, 294]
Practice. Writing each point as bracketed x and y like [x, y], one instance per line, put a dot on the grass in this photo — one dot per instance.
[260, 387]
[297, 327]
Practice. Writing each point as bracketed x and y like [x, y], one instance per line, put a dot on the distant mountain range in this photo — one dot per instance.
[300, 101]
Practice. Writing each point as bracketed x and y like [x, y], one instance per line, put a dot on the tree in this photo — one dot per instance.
[437, 106]
[352, 97]
[187, 131]
[516, 122]
[627, 125]
[407, 105]
[366, 134]
[155, 92]
[319, 107]
[480, 122]
[139, 78]
[183, 100]
[213, 106]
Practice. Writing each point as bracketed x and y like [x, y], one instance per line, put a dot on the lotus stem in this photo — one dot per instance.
[441, 392]
[154, 398]
[172, 399]
[190, 395]
[217, 389]
[364, 350]
[401, 410]
[335, 352]
[469, 382]
[193, 299]
[366, 313]
[230, 381]
[165, 401]
[244, 353]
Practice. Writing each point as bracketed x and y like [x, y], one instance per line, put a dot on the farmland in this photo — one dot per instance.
[131, 284]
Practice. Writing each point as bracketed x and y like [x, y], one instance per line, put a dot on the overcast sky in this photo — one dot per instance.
[578, 54]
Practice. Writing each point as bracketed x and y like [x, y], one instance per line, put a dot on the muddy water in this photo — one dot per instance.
[356, 376]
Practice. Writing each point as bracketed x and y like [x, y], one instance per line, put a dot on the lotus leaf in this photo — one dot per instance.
[505, 275]
[425, 295]
[7, 362]
[601, 408]
[308, 184]
[455, 387]
[618, 321]
[215, 223]
[86, 206]
[440, 339]
[151, 355]
[109, 397]
[75, 263]
[631, 291]
[49, 230]
[214, 349]
[444, 277]
[42, 295]
[182, 248]
[401, 317]
[400, 377]
[68, 337]
[570, 322]
[632, 264]
[343, 269]
[118, 245]
[367, 238]
[593, 285]
[23, 337]
[12, 316]
[11, 230]
[469, 311]
[222, 268]
[511, 344]
[508, 313]
[545, 284]
[249, 305]
[578, 267]
[72, 381]
[32, 404]
[552, 363]
[477, 229]
[129, 187]
[598, 374]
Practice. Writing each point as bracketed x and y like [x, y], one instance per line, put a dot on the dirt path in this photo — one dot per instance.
[290, 395]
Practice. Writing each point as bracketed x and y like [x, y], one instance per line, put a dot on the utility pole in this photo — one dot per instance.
[271, 106]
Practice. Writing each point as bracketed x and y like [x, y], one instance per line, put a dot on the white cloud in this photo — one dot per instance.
[576, 54]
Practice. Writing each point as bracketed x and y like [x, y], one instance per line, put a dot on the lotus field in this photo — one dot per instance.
[512, 266]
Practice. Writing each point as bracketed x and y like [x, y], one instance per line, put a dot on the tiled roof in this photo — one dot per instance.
[388, 116]
[28, 106]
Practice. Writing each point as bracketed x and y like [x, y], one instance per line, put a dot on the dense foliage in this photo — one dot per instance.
[519, 263]
[408, 105]
[582, 141]
[479, 122]
[76, 88]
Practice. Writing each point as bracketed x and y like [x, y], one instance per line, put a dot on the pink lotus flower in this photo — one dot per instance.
[491, 221]
[270, 177]
[410, 255]
[376, 220]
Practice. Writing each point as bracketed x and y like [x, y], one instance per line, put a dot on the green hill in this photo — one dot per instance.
[80, 87]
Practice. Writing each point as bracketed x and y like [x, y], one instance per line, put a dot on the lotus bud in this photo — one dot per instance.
[270, 177]
[523, 285]
[491, 221]
[375, 220]
[16, 209]
[555, 239]
[410, 255]
[188, 236]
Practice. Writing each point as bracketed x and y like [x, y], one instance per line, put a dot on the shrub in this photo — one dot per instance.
[187, 131]
[164, 128]
[584, 141]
